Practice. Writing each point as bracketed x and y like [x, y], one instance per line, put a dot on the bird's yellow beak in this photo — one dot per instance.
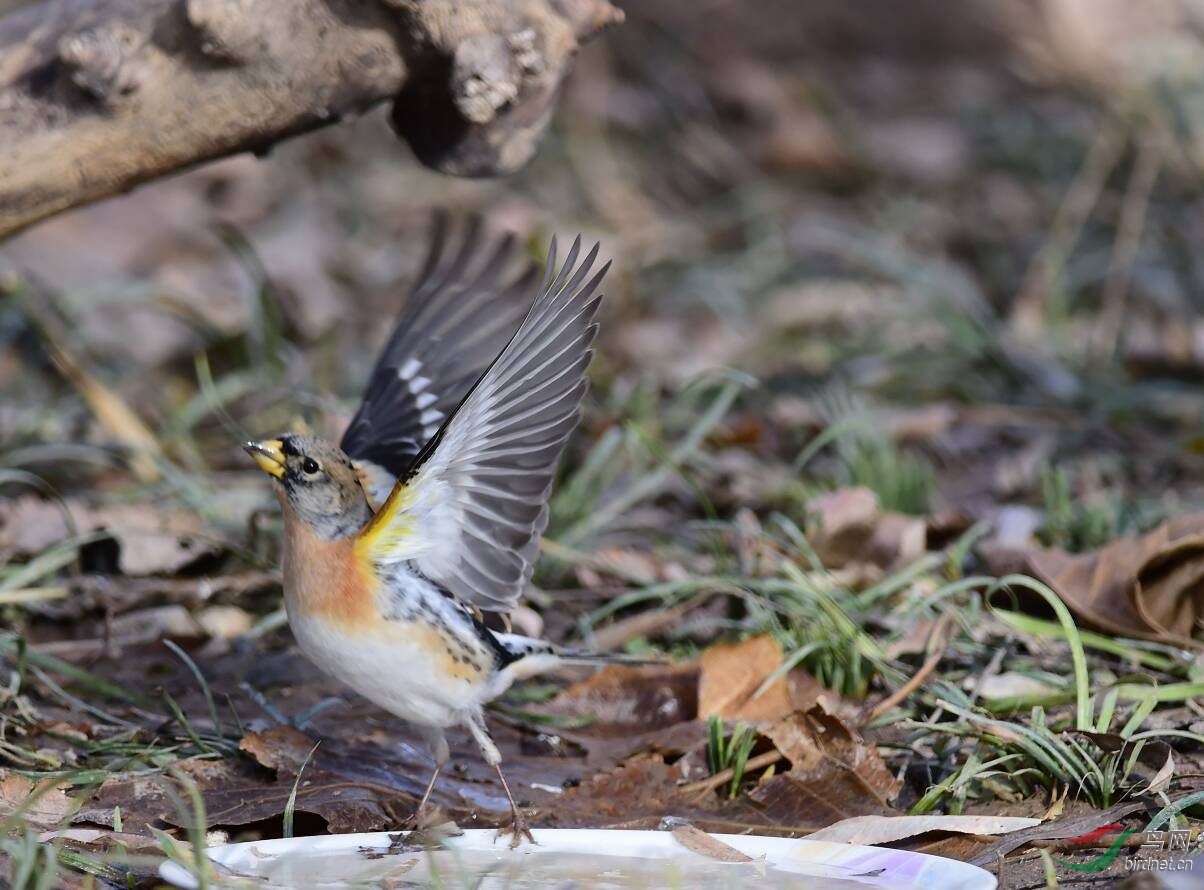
[268, 454]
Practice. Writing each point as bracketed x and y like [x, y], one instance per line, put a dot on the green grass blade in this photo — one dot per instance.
[291, 806]
[1082, 684]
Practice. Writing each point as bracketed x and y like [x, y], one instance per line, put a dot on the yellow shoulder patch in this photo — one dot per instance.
[389, 526]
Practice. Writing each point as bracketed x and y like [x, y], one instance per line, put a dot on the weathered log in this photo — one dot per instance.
[98, 96]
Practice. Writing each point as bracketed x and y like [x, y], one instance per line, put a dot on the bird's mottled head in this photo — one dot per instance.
[316, 481]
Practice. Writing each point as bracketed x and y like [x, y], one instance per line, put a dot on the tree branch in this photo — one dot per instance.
[98, 96]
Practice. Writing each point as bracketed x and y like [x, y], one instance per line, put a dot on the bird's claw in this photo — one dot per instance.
[517, 830]
[426, 816]
[421, 818]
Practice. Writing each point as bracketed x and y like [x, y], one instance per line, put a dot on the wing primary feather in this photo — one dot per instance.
[463, 308]
[550, 268]
[433, 443]
[470, 508]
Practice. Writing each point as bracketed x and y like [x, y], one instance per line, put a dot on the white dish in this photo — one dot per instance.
[578, 858]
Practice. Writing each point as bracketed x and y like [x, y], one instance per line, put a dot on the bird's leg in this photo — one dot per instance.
[518, 828]
[430, 786]
[439, 750]
[415, 820]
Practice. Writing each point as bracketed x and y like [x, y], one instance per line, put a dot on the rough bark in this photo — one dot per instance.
[97, 96]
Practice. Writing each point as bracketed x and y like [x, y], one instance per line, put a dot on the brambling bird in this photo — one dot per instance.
[432, 506]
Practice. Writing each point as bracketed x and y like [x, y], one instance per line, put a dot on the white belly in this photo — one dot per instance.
[393, 672]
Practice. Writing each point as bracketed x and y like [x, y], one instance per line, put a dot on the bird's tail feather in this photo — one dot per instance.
[573, 656]
[531, 656]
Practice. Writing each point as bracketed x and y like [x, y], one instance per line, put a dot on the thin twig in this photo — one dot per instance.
[1066, 845]
[723, 776]
[1127, 243]
[907, 688]
[992, 667]
[939, 639]
[644, 624]
[31, 595]
[110, 409]
[1073, 213]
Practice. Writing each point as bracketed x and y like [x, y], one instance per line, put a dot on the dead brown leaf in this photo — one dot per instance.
[1153, 752]
[1069, 826]
[1163, 778]
[704, 844]
[281, 748]
[50, 808]
[626, 700]
[887, 829]
[834, 773]
[150, 540]
[1149, 587]
[644, 787]
[238, 792]
[849, 526]
[731, 673]
[101, 841]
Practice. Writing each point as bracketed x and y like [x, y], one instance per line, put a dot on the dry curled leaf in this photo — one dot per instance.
[620, 700]
[887, 829]
[50, 807]
[834, 773]
[1149, 587]
[849, 526]
[1162, 779]
[705, 845]
[730, 675]
[150, 540]
[1065, 827]
[281, 748]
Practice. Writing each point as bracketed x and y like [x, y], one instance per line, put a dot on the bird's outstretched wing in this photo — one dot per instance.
[470, 511]
[468, 301]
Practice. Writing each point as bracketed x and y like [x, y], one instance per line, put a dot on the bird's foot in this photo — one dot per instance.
[425, 816]
[428, 825]
[517, 830]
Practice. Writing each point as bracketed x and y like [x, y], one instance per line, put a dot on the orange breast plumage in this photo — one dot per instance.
[329, 580]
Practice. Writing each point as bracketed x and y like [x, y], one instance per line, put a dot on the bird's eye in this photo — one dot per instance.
[310, 466]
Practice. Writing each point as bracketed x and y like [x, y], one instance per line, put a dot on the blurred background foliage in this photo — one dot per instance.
[896, 287]
[989, 210]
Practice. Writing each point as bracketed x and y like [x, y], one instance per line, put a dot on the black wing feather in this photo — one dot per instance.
[459, 316]
[481, 483]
